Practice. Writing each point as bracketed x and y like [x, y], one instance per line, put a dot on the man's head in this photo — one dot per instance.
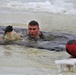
[33, 29]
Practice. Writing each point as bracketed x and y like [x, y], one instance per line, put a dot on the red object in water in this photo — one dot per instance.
[71, 47]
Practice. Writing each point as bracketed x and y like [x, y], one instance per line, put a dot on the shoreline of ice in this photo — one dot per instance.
[61, 7]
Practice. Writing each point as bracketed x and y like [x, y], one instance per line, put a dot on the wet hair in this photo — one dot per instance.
[33, 23]
[8, 29]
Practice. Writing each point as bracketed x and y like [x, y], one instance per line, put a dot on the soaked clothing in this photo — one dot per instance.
[42, 36]
[44, 41]
[29, 41]
[11, 36]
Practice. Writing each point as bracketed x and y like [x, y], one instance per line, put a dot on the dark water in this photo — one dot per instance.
[52, 41]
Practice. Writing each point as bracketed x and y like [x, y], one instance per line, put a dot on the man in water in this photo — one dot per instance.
[35, 33]
[10, 34]
[34, 30]
[36, 38]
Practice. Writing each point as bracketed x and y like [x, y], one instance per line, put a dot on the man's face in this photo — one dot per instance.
[33, 31]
